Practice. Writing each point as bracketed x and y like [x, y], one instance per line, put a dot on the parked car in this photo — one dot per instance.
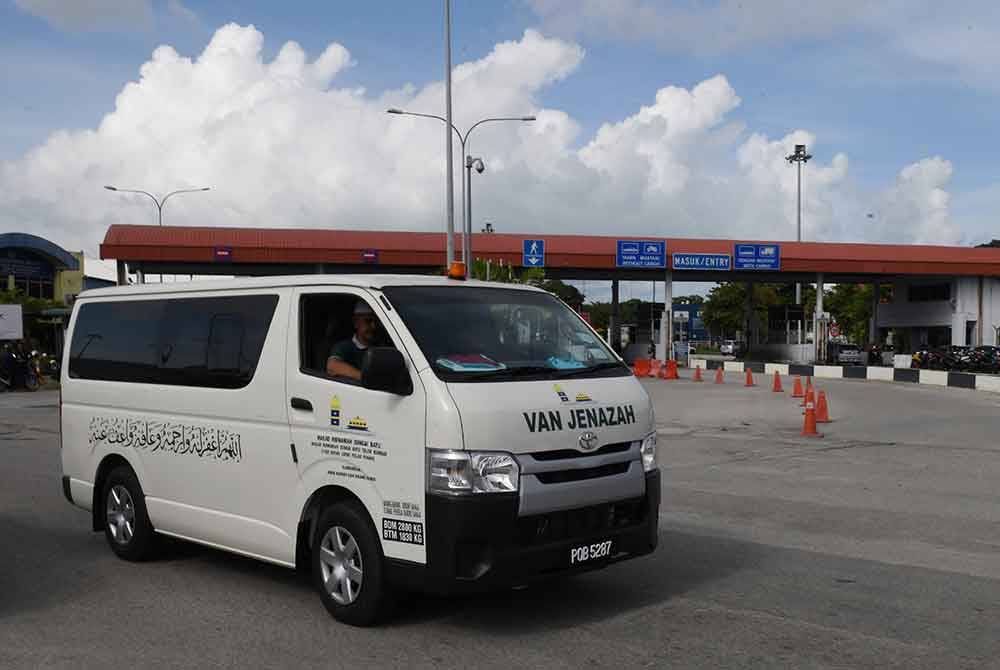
[849, 354]
[728, 347]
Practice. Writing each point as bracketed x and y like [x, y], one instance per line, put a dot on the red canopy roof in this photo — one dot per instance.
[137, 244]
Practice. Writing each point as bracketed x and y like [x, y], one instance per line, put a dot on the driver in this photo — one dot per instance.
[346, 357]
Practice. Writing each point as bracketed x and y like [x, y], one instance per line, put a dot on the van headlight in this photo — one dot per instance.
[648, 452]
[460, 472]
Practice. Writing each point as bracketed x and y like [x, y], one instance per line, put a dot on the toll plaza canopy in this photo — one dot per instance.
[270, 251]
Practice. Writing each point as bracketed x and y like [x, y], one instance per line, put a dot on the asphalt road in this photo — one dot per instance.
[875, 547]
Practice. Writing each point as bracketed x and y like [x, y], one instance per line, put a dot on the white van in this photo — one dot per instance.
[491, 438]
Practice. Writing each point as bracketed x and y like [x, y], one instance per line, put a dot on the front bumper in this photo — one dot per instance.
[477, 543]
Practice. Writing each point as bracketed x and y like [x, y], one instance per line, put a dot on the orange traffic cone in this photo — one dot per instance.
[777, 383]
[809, 426]
[822, 411]
[797, 392]
[671, 370]
[749, 381]
[809, 389]
[697, 375]
[720, 376]
[809, 399]
[655, 366]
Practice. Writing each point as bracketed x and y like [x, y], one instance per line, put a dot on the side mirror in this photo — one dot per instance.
[384, 369]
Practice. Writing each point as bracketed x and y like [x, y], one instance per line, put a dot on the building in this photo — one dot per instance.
[38, 268]
[940, 311]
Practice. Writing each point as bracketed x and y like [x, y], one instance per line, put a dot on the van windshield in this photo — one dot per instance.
[494, 334]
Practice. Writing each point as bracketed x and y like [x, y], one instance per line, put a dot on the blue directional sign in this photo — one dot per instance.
[716, 262]
[758, 257]
[641, 254]
[533, 255]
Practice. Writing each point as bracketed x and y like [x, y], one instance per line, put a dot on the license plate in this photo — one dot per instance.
[589, 552]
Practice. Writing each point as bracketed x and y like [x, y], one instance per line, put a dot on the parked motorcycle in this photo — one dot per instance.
[942, 358]
[986, 359]
[18, 370]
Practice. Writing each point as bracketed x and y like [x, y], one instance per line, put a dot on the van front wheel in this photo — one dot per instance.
[348, 565]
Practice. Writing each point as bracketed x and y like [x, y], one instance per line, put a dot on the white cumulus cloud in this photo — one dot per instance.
[917, 205]
[281, 144]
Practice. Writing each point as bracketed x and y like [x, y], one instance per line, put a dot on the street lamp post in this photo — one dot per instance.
[470, 162]
[799, 157]
[159, 203]
[450, 194]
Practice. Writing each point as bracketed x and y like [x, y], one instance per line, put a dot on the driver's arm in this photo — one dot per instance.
[338, 368]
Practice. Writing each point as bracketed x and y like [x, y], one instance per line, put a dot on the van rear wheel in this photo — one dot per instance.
[348, 567]
[126, 527]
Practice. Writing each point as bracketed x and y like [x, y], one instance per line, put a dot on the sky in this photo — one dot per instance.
[654, 118]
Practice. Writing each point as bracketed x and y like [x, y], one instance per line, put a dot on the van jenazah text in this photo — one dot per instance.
[579, 418]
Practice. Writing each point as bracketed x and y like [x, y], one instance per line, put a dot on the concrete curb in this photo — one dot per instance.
[964, 380]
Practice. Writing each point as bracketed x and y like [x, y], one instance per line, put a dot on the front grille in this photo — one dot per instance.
[562, 454]
[562, 476]
[579, 523]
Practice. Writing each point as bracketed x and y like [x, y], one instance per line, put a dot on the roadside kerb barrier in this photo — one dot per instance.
[963, 380]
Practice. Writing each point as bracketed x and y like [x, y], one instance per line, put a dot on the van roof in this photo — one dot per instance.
[374, 281]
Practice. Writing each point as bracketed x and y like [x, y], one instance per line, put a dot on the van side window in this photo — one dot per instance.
[327, 328]
[117, 341]
[207, 342]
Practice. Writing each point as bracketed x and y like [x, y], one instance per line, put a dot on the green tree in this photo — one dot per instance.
[568, 294]
[505, 273]
[28, 304]
[851, 306]
[689, 300]
[724, 309]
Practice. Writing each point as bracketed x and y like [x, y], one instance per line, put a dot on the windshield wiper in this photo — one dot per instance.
[607, 365]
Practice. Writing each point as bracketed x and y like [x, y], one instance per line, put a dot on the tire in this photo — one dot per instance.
[348, 565]
[126, 527]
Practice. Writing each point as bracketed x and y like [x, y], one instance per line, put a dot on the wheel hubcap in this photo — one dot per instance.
[340, 561]
[121, 514]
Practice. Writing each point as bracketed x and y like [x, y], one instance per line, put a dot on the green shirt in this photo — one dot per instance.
[349, 352]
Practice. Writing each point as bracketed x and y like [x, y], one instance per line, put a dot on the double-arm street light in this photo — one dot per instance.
[469, 162]
[159, 203]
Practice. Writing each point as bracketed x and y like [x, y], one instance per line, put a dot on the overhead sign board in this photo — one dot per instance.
[533, 253]
[758, 257]
[641, 254]
[11, 322]
[711, 262]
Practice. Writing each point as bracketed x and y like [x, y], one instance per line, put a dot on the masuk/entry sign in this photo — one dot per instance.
[713, 262]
